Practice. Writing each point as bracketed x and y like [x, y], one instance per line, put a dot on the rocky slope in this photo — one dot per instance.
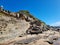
[15, 24]
[11, 28]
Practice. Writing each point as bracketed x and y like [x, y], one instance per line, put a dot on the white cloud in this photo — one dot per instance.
[56, 24]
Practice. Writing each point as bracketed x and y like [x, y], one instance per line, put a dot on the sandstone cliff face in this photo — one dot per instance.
[15, 24]
[10, 28]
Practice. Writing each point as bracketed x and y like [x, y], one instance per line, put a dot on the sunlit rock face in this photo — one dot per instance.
[15, 24]
[10, 28]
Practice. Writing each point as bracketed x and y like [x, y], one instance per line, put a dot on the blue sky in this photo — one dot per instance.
[45, 10]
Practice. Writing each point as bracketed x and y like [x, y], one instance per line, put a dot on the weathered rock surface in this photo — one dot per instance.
[57, 42]
[14, 25]
[39, 42]
[10, 28]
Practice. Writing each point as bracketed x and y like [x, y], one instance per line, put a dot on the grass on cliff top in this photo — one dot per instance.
[27, 13]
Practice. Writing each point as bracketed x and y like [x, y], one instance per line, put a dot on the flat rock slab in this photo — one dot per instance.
[27, 40]
[57, 42]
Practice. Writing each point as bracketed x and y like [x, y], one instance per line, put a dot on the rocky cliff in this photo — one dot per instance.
[15, 24]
